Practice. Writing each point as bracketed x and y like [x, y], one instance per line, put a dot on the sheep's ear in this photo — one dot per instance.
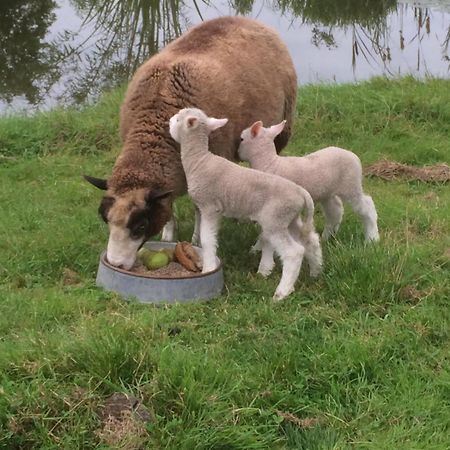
[157, 194]
[256, 128]
[275, 130]
[213, 124]
[99, 183]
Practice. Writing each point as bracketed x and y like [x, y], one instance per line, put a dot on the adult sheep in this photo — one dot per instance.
[230, 67]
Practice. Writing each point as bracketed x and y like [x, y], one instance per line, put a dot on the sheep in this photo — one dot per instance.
[329, 175]
[230, 65]
[219, 187]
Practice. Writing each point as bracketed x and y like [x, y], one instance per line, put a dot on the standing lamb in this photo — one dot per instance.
[329, 175]
[220, 187]
[232, 66]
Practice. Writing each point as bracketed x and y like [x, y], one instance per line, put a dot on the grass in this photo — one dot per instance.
[358, 359]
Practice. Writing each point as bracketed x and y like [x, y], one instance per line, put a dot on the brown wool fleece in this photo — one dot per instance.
[230, 67]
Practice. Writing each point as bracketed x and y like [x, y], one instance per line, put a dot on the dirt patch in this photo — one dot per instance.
[410, 294]
[70, 277]
[391, 170]
[306, 422]
[123, 420]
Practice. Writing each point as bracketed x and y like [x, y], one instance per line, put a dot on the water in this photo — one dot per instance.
[56, 52]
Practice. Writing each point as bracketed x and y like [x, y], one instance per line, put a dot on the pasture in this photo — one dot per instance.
[358, 359]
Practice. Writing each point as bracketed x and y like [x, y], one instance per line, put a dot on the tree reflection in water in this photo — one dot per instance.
[116, 36]
[27, 66]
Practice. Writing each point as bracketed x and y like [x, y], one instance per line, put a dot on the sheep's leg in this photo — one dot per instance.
[196, 235]
[310, 240]
[267, 262]
[170, 229]
[333, 211]
[363, 206]
[291, 254]
[209, 226]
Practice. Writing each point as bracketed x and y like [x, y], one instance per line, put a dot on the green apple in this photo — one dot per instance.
[145, 253]
[157, 260]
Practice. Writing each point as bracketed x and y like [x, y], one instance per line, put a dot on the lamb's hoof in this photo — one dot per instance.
[373, 238]
[280, 295]
[207, 269]
[265, 272]
[255, 249]
[328, 235]
[314, 273]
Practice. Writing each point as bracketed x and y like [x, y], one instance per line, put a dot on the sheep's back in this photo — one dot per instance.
[229, 67]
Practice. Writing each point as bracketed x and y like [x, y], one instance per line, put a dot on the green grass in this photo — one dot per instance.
[364, 349]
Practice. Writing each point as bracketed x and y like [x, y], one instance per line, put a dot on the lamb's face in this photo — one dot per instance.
[190, 119]
[256, 140]
[132, 217]
[185, 120]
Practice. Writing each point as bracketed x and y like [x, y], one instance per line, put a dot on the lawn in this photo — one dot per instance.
[358, 359]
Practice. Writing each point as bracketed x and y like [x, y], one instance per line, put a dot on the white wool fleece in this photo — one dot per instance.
[219, 187]
[329, 175]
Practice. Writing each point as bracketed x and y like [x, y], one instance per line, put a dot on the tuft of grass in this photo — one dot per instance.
[356, 359]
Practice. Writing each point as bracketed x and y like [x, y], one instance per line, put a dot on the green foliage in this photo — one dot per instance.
[357, 359]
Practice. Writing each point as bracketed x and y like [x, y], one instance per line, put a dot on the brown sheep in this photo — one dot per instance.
[230, 66]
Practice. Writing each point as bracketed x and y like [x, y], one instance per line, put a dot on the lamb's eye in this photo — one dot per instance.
[242, 139]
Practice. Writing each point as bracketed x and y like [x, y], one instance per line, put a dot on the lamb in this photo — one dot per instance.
[230, 65]
[220, 187]
[329, 175]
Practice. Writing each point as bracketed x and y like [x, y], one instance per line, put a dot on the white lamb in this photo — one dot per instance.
[329, 175]
[219, 188]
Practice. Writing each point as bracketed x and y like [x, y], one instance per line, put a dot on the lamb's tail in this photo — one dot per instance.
[308, 220]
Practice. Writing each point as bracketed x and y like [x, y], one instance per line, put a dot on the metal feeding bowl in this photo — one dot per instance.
[148, 289]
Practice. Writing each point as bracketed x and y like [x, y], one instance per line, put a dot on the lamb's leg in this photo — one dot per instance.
[267, 262]
[196, 235]
[310, 240]
[209, 226]
[169, 230]
[333, 211]
[291, 254]
[258, 245]
[363, 206]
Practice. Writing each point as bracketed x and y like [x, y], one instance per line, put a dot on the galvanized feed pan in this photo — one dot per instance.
[148, 289]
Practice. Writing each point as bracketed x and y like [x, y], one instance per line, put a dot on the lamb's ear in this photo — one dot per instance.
[255, 129]
[275, 130]
[213, 124]
[191, 122]
[99, 183]
[157, 194]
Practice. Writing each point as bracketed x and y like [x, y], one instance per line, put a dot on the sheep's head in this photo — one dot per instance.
[256, 140]
[191, 119]
[133, 217]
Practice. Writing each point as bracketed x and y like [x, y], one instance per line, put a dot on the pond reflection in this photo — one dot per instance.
[27, 66]
[68, 51]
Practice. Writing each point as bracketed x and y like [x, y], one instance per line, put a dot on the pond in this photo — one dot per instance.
[62, 52]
